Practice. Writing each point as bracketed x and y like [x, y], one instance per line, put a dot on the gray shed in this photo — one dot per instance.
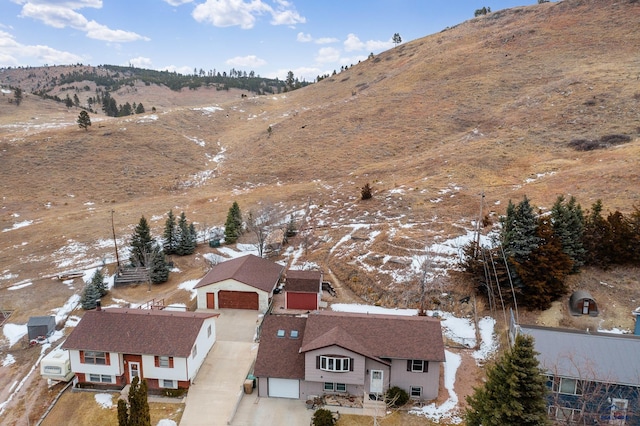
[41, 326]
[581, 303]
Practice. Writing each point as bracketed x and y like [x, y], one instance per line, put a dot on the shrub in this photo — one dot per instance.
[365, 192]
[323, 417]
[397, 397]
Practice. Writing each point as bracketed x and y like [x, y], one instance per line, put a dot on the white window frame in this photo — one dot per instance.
[415, 391]
[168, 384]
[415, 368]
[328, 387]
[341, 387]
[209, 331]
[560, 385]
[335, 364]
[194, 351]
[100, 378]
[164, 361]
[565, 414]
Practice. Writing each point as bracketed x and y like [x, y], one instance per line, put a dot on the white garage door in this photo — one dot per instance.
[284, 388]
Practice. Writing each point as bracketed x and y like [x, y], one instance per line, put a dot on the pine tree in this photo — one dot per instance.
[544, 271]
[123, 414]
[90, 296]
[140, 108]
[233, 225]
[138, 404]
[141, 243]
[98, 281]
[186, 239]
[17, 95]
[568, 224]
[159, 266]
[514, 393]
[84, 121]
[519, 231]
[596, 230]
[170, 237]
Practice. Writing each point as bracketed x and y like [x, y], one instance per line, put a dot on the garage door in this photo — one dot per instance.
[238, 300]
[284, 388]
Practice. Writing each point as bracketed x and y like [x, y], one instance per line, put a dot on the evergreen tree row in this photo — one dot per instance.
[536, 252]
[93, 291]
[145, 252]
[180, 238]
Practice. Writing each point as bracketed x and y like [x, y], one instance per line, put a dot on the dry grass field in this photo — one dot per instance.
[488, 106]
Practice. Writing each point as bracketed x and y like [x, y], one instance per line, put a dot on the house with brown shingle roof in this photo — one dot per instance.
[328, 352]
[109, 347]
[303, 290]
[245, 282]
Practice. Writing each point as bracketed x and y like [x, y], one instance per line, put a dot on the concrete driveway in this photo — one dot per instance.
[271, 411]
[216, 391]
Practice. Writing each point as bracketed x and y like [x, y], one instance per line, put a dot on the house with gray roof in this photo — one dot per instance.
[329, 353]
[109, 347]
[593, 377]
[245, 282]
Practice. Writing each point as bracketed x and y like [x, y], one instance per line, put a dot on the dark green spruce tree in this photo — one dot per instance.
[123, 414]
[170, 236]
[138, 405]
[519, 230]
[568, 224]
[159, 266]
[233, 225]
[514, 393]
[98, 281]
[186, 239]
[141, 243]
[596, 230]
[90, 296]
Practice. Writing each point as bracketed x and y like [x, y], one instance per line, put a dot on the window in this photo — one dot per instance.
[194, 351]
[293, 334]
[52, 369]
[337, 387]
[416, 392]
[100, 378]
[565, 414]
[171, 384]
[164, 361]
[567, 386]
[417, 366]
[337, 364]
[280, 333]
[93, 357]
[209, 331]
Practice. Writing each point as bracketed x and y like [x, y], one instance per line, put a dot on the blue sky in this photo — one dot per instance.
[270, 37]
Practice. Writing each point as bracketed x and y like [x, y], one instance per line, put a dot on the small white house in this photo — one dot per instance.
[56, 366]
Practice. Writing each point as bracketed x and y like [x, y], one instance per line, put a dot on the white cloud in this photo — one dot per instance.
[353, 43]
[15, 53]
[177, 2]
[306, 38]
[246, 61]
[229, 13]
[62, 14]
[302, 73]
[328, 54]
[141, 62]
[184, 70]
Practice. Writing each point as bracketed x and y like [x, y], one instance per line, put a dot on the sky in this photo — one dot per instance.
[269, 37]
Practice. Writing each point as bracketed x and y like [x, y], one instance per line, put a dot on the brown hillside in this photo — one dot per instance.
[490, 106]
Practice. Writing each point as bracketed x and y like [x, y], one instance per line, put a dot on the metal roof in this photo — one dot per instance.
[601, 357]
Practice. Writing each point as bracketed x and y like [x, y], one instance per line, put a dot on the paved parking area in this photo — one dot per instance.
[216, 390]
[271, 411]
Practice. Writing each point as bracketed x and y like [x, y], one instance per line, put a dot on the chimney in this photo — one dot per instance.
[98, 307]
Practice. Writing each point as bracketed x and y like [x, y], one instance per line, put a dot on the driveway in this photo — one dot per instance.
[218, 387]
[254, 410]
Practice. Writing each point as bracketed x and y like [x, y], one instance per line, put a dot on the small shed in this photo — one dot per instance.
[41, 326]
[581, 303]
[303, 290]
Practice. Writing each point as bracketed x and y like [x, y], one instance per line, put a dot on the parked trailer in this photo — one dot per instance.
[56, 366]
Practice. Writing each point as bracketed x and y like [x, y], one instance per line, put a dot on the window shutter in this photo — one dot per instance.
[170, 362]
[107, 360]
[408, 365]
[156, 361]
[318, 362]
[350, 364]
[81, 357]
[425, 366]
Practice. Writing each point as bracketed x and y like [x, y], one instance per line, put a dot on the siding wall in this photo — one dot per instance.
[405, 379]
[204, 344]
[116, 368]
[312, 374]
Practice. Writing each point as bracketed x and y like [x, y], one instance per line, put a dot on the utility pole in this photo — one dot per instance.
[478, 224]
[115, 242]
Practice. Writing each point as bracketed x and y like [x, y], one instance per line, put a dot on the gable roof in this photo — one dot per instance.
[280, 357]
[303, 281]
[602, 357]
[251, 270]
[376, 336]
[138, 331]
